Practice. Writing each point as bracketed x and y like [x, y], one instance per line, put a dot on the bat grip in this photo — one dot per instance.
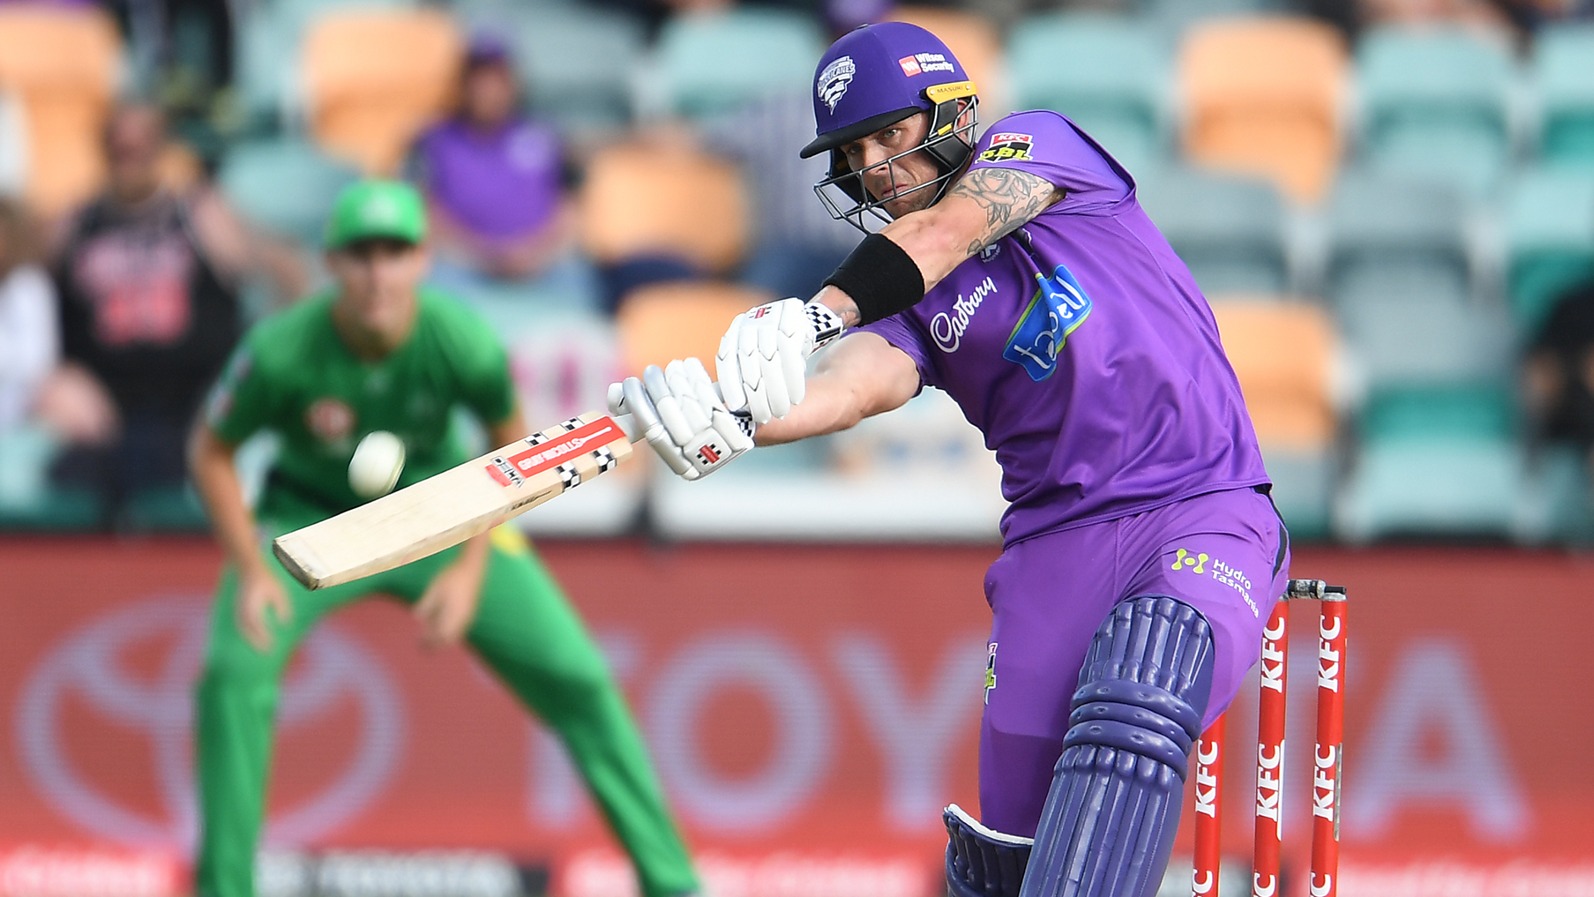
[627, 423]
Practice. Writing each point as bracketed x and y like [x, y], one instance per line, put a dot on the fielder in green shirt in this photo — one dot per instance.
[378, 352]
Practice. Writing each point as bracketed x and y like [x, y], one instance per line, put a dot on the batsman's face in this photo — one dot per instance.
[885, 177]
[377, 280]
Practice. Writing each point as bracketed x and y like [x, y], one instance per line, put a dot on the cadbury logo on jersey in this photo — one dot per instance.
[947, 328]
[1059, 307]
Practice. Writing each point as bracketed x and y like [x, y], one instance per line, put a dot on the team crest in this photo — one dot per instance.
[835, 79]
[1008, 147]
[330, 420]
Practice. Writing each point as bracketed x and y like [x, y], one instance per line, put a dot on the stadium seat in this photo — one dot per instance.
[1303, 490]
[62, 64]
[375, 77]
[1394, 238]
[1420, 340]
[1230, 229]
[1109, 74]
[714, 62]
[1438, 460]
[1263, 95]
[26, 500]
[1549, 230]
[1484, 410]
[1435, 103]
[1563, 76]
[1559, 493]
[974, 40]
[684, 319]
[282, 186]
[641, 200]
[1287, 356]
[1434, 485]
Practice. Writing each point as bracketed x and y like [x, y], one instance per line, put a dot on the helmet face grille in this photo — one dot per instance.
[947, 143]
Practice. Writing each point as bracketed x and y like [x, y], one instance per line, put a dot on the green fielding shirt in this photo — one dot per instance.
[294, 375]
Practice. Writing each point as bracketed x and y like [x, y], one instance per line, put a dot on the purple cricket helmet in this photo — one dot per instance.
[878, 75]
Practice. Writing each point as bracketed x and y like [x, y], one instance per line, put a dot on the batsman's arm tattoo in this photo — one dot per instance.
[1010, 198]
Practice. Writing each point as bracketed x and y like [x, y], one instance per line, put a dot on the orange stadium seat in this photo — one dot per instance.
[683, 319]
[1264, 95]
[375, 77]
[62, 64]
[975, 41]
[644, 199]
[1285, 354]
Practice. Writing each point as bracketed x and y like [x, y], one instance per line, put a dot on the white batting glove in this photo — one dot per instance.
[763, 357]
[679, 413]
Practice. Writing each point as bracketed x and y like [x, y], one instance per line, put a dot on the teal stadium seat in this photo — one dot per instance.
[1396, 239]
[1549, 241]
[1303, 490]
[1437, 462]
[1425, 340]
[1434, 487]
[1561, 498]
[1563, 75]
[1110, 74]
[27, 502]
[1230, 229]
[1435, 102]
[283, 186]
[715, 62]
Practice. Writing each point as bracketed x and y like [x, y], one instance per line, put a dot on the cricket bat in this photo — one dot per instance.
[446, 509]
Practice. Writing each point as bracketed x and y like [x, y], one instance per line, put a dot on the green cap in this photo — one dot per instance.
[376, 210]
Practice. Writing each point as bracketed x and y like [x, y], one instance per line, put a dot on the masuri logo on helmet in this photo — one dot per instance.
[878, 75]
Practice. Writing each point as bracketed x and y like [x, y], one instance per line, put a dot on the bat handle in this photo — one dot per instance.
[628, 423]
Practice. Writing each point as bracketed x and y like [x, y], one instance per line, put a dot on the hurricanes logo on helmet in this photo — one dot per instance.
[835, 79]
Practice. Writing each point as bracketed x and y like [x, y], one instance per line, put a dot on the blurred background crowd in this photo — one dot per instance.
[1390, 204]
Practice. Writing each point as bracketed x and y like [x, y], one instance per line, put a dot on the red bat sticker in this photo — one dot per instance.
[551, 452]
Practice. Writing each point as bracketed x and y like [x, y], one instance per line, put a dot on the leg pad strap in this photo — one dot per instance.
[982, 862]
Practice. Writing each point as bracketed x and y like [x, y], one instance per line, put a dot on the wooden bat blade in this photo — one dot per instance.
[450, 507]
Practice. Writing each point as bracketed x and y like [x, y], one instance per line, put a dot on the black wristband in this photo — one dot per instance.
[880, 277]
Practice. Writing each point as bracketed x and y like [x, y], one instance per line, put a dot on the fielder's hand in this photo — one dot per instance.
[681, 415]
[763, 357]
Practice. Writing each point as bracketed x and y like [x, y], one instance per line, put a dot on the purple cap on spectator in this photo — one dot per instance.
[874, 76]
[486, 48]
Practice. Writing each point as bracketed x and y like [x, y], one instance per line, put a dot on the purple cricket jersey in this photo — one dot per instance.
[1082, 349]
[501, 185]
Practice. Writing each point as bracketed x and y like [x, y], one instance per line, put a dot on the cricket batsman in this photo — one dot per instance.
[379, 352]
[1142, 553]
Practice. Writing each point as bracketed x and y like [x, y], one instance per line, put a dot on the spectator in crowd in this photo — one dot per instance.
[497, 186]
[1486, 16]
[149, 309]
[28, 342]
[795, 243]
[1558, 374]
[1527, 16]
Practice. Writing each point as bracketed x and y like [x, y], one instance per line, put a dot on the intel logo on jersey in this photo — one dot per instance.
[1058, 308]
